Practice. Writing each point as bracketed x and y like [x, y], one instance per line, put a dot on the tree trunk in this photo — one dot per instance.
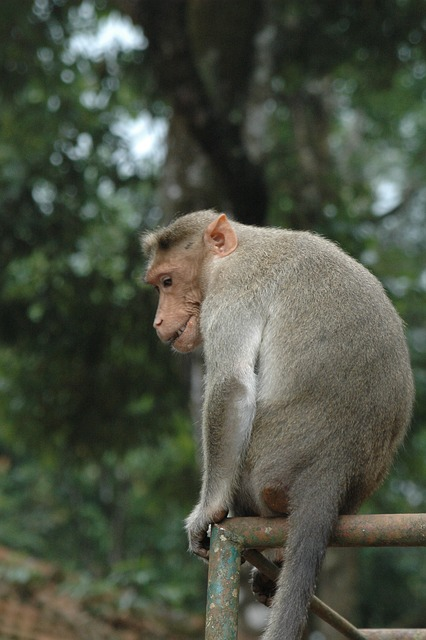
[206, 84]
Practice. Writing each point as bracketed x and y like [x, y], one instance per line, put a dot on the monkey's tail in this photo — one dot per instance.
[313, 516]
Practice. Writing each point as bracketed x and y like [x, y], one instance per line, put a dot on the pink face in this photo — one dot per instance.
[178, 312]
[175, 273]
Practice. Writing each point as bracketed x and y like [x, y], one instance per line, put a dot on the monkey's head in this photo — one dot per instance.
[179, 259]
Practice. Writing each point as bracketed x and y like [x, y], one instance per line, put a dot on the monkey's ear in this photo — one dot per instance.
[220, 236]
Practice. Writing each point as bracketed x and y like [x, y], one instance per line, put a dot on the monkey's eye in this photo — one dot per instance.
[167, 282]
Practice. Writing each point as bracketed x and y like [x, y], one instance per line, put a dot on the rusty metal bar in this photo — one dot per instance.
[402, 530]
[234, 535]
[318, 607]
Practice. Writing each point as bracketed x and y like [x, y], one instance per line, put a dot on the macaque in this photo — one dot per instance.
[308, 386]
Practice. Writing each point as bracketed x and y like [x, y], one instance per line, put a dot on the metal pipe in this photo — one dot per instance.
[223, 587]
[233, 535]
[396, 530]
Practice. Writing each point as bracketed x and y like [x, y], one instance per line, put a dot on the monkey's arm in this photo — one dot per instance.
[228, 412]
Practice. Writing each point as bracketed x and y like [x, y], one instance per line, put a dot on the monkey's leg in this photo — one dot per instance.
[275, 497]
[263, 587]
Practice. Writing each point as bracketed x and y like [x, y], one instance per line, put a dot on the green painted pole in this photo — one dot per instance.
[224, 587]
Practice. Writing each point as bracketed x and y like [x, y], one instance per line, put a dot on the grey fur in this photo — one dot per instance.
[308, 391]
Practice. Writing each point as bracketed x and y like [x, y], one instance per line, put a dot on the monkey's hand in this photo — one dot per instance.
[197, 526]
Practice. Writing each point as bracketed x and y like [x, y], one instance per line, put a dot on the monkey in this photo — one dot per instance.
[308, 388]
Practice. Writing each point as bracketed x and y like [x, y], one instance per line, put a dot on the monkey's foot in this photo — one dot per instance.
[263, 587]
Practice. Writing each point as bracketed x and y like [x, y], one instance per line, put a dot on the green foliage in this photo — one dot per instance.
[92, 411]
[78, 372]
[109, 517]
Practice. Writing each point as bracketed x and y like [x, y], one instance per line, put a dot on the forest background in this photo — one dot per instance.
[117, 115]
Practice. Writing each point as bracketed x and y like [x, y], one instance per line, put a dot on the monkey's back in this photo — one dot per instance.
[334, 374]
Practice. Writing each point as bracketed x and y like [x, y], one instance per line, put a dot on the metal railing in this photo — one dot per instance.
[236, 537]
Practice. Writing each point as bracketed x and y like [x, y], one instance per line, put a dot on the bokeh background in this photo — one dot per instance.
[116, 115]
